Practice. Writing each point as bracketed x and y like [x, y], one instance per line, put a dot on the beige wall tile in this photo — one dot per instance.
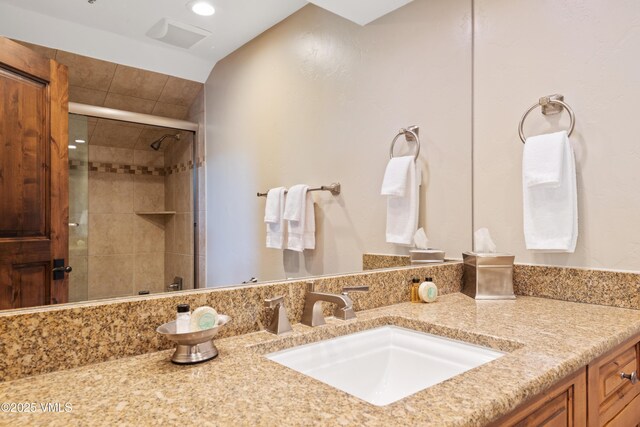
[182, 266]
[180, 91]
[183, 243]
[148, 193]
[202, 272]
[149, 273]
[183, 200]
[110, 276]
[170, 191]
[170, 234]
[87, 72]
[111, 234]
[115, 134]
[100, 153]
[86, 96]
[138, 83]
[110, 193]
[171, 110]
[202, 234]
[149, 158]
[197, 106]
[129, 103]
[149, 234]
[78, 279]
[47, 52]
[183, 149]
[202, 188]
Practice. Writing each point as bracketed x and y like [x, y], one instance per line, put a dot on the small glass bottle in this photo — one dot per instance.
[183, 319]
[415, 286]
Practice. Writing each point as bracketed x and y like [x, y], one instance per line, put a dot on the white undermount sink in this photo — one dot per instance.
[385, 364]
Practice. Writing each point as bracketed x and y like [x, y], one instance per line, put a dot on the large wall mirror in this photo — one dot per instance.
[316, 99]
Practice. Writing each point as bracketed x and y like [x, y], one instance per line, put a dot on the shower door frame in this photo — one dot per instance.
[148, 119]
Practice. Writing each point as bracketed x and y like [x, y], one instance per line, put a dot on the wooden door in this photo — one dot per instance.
[34, 196]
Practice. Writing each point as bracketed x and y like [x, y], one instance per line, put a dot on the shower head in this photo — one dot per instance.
[156, 144]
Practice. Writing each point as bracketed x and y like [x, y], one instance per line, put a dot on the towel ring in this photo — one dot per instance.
[411, 135]
[552, 104]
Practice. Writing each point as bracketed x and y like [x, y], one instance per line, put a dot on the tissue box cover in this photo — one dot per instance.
[419, 256]
[488, 276]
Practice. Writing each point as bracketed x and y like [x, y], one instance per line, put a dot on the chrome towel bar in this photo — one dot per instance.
[411, 134]
[334, 188]
[552, 104]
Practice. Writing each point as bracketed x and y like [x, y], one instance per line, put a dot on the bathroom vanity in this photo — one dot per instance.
[556, 351]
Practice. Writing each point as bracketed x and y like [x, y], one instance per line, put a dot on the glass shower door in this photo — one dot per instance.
[78, 206]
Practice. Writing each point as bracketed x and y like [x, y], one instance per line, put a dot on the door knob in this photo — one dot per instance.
[59, 269]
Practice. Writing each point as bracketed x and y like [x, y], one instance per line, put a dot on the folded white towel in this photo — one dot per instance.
[294, 207]
[544, 156]
[295, 213]
[550, 212]
[274, 217]
[395, 176]
[309, 233]
[402, 211]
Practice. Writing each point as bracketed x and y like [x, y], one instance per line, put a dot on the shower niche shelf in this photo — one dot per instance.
[156, 213]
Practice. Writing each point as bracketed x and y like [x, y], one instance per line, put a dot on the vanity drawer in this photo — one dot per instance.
[563, 405]
[628, 417]
[609, 394]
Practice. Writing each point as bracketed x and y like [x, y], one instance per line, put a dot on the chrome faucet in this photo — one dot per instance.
[279, 321]
[312, 313]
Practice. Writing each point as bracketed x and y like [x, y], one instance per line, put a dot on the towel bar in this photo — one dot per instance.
[552, 104]
[334, 188]
[411, 134]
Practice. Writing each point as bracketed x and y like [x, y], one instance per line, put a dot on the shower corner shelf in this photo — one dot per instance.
[155, 212]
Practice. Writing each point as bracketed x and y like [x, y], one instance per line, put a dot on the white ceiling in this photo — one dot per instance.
[115, 30]
[360, 11]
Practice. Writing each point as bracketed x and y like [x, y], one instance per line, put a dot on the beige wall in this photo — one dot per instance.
[588, 51]
[317, 99]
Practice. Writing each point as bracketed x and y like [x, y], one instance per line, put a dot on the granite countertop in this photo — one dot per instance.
[545, 340]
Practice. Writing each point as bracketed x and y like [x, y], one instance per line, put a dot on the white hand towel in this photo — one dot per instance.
[402, 211]
[294, 208]
[544, 156]
[550, 213]
[395, 176]
[295, 213]
[309, 233]
[274, 218]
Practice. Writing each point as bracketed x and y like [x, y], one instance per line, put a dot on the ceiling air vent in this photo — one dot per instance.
[176, 33]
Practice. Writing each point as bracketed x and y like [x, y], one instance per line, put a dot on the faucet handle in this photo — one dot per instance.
[279, 321]
[348, 289]
[273, 302]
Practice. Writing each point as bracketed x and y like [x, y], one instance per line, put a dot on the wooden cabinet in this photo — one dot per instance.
[562, 405]
[613, 400]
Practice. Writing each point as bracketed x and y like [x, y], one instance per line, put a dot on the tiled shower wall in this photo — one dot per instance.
[178, 196]
[126, 250]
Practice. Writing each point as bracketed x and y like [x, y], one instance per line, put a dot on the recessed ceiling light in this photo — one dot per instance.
[80, 141]
[201, 7]
[72, 147]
